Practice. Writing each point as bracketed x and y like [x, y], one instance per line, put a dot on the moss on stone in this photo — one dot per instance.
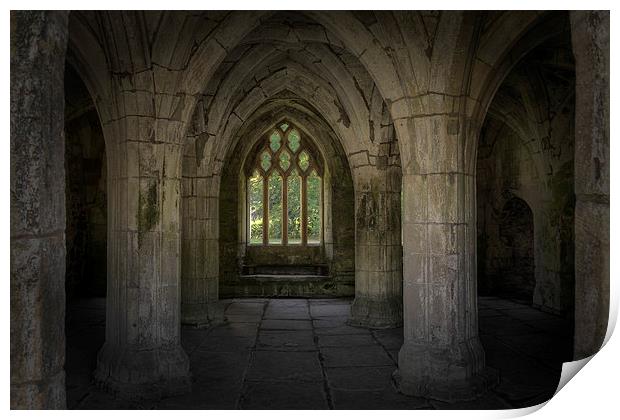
[148, 211]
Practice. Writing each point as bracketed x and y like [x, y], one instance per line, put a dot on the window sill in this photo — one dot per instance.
[284, 246]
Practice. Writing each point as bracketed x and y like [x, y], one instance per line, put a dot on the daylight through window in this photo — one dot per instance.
[285, 185]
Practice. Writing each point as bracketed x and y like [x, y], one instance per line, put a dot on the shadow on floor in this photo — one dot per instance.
[300, 354]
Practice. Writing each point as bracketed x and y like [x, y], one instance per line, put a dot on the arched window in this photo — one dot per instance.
[285, 184]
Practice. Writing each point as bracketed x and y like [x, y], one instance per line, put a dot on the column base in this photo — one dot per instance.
[444, 373]
[202, 315]
[143, 374]
[376, 313]
[47, 394]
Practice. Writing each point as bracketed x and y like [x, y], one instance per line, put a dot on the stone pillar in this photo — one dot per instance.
[590, 38]
[378, 250]
[442, 357]
[38, 46]
[142, 356]
[200, 273]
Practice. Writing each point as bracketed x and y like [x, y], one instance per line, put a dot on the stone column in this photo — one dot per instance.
[378, 250]
[200, 274]
[38, 46]
[590, 38]
[442, 357]
[142, 356]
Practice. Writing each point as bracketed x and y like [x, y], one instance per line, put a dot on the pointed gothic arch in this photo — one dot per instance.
[284, 178]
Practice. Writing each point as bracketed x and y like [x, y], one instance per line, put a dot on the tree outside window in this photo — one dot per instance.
[285, 187]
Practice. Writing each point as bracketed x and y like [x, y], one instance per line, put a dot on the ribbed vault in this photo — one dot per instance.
[402, 96]
[527, 152]
[275, 58]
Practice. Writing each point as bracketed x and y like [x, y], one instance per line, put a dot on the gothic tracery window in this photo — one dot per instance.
[284, 181]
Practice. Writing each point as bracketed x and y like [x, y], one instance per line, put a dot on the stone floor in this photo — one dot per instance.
[300, 354]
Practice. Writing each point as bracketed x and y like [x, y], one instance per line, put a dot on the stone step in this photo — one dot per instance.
[286, 269]
[283, 278]
[288, 285]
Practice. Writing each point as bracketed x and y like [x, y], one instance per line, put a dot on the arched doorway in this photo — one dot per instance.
[86, 236]
[516, 234]
[524, 194]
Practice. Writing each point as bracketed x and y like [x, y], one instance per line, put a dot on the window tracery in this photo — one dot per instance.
[285, 183]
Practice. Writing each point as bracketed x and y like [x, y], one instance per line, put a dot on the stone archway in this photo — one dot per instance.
[526, 149]
[321, 69]
[516, 233]
[85, 234]
[334, 275]
[436, 89]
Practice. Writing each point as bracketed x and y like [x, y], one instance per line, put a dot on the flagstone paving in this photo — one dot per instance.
[301, 354]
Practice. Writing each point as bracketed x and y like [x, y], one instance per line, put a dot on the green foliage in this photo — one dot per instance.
[304, 161]
[274, 187]
[255, 191]
[294, 140]
[275, 208]
[274, 141]
[294, 208]
[265, 161]
[285, 160]
[301, 162]
[314, 207]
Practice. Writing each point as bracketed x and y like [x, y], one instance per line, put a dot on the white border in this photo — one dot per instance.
[592, 394]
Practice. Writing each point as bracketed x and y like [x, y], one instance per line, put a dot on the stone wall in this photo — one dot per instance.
[425, 78]
[337, 249]
[506, 254]
[306, 62]
[526, 153]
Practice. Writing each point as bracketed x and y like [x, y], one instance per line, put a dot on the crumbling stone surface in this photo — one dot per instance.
[337, 250]
[247, 83]
[143, 117]
[526, 156]
[38, 44]
[396, 103]
[590, 39]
